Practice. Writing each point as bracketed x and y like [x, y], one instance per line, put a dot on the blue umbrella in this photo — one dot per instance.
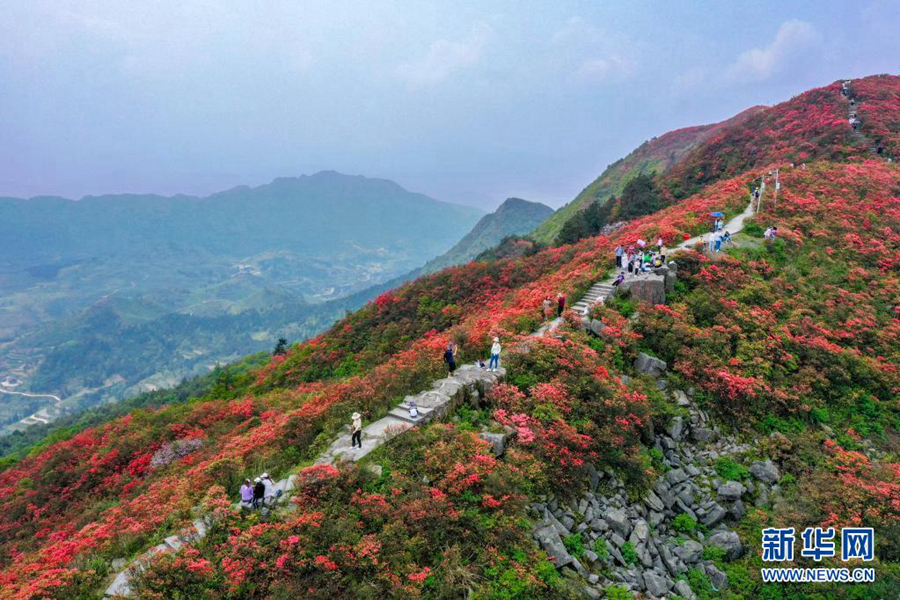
[716, 214]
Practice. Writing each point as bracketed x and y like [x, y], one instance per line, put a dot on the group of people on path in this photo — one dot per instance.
[718, 239]
[560, 305]
[640, 259]
[260, 493]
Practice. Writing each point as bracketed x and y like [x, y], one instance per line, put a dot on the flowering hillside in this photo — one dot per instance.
[653, 156]
[798, 336]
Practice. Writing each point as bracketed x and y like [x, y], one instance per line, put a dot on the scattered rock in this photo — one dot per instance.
[644, 363]
[765, 471]
[727, 541]
[496, 440]
[684, 590]
[676, 428]
[731, 490]
[656, 584]
[676, 476]
[597, 326]
[717, 578]
[689, 552]
[702, 434]
[618, 521]
[549, 540]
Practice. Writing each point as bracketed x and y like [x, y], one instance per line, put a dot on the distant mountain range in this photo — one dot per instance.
[111, 295]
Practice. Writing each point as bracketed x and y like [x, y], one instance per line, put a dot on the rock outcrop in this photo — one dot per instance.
[659, 554]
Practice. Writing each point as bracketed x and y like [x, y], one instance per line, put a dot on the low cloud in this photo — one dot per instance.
[446, 57]
[793, 40]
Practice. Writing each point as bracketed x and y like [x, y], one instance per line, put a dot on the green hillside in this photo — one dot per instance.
[651, 157]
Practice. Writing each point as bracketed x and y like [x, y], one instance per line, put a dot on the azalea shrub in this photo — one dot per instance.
[568, 412]
[804, 328]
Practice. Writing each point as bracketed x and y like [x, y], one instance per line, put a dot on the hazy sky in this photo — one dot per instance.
[465, 101]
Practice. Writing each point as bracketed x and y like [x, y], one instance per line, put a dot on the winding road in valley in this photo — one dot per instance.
[35, 418]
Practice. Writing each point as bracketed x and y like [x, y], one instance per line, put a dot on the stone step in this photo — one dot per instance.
[402, 412]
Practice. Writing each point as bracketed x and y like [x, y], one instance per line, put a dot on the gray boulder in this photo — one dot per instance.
[684, 590]
[644, 363]
[597, 326]
[646, 288]
[702, 434]
[717, 578]
[715, 514]
[653, 502]
[737, 510]
[676, 428]
[731, 491]
[676, 476]
[689, 552]
[618, 521]
[640, 533]
[727, 541]
[549, 540]
[681, 398]
[765, 471]
[656, 584]
[496, 440]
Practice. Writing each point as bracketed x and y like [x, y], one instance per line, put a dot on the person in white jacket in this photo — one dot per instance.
[495, 355]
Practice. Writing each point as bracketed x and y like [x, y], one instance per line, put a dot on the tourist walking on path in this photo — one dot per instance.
[560, 304]
[495, 355]
[662, 253]
[450, 357]
[259, 492]
[356, 428]
[659, 244]
[718, 242]
[247, 494]
[548, 306]
[619, 253]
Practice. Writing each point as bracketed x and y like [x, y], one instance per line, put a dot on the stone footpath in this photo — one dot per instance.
[445, 394]
[466, 383]
[436, 403]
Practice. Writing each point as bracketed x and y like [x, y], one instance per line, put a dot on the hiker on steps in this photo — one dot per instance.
[495, 355]
[450, 358]
[413, 410]
[259, 492]
[356, 428]
[560, 304]
[246, 494]
[619, 253]
[619, 279]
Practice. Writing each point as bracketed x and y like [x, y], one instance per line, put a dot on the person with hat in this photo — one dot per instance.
[495, 355]
[246, 494]
[356, 428]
